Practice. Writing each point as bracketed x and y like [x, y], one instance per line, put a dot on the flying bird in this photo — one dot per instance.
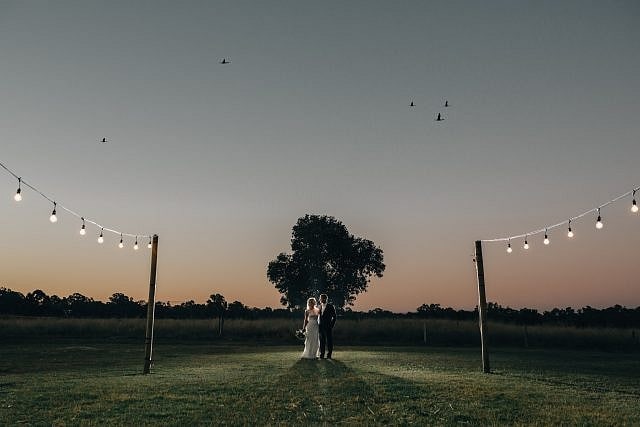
[103, 140]
[439, 118]
[225, 61]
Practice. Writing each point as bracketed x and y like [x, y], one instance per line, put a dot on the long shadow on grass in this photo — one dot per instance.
[321, 391]
[329, 391]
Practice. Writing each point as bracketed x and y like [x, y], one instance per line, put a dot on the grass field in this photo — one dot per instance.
[407, 332]
[88, 382]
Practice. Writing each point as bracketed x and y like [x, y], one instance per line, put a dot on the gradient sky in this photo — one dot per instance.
[312, 117]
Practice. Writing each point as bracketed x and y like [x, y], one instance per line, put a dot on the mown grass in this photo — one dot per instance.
[369, 331]
[92, 382]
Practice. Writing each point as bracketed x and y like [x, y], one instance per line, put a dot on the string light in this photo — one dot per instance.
[509, 250]
[149, 244]
[53, 218]
[121, 244]
[18, 195]
[570, 233]
[599, 223]
[135, 245]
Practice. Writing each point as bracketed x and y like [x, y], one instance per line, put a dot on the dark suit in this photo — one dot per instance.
[327, 322]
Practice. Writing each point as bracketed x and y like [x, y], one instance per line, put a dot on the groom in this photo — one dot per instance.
[327, 321]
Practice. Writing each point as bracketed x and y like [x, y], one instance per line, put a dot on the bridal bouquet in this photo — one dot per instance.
[300, 334]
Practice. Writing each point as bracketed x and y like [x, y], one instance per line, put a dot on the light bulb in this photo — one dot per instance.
[509, 250]
[135, 246]
[599, 223]
[100, 238]
[526, 244]
[570, 233]
[18, 195]
[634, 206]
[546, 239]
[149, 245]
[83, 230]
[53, 218]
[121, 244]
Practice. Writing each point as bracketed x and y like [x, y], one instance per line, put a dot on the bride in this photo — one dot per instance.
[312, 340]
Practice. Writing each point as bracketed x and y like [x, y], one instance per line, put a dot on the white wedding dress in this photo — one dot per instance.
[312, 338]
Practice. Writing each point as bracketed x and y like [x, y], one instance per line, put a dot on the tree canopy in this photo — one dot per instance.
[324, 258]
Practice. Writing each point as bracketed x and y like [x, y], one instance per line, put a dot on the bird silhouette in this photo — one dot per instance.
[104, 140]
[446, 103]
[412, 104]
[439, 118]
[225, 61]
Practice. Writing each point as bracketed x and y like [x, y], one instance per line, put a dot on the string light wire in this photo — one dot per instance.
[66, 209]
[560, 224]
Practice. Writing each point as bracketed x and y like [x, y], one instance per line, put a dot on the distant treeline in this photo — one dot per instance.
[119, 305]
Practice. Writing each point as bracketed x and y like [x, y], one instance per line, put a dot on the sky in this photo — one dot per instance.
[312, 116]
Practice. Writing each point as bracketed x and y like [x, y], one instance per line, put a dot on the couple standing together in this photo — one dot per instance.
[318, 326]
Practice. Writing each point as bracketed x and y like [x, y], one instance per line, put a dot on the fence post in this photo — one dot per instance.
[482, 308]
[151, 307]
[424, 331]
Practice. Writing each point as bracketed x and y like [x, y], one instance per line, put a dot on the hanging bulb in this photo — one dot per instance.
[135, 245]
[18, 195]
[149, 245]
[570, 232]
[101, 237]
[634, 206]
[83, 230]
[509, 250]
[121, 244]
[526, 244]
[53, 218]
[599, 223]
[546, 238]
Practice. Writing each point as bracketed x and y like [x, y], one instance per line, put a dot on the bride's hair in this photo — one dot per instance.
[310, 301]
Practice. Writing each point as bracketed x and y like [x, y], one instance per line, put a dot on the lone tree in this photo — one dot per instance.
[326, 259]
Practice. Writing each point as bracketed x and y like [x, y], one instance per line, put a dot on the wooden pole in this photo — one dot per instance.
[151, 307]
[482, 308]
[424, 331]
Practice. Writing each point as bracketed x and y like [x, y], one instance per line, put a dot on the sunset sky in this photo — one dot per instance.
[312, 116]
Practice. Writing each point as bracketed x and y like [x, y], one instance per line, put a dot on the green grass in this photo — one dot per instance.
[85, 382]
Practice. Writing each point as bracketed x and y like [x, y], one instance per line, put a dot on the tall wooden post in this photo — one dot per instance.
[482, 308]
[151, 307]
